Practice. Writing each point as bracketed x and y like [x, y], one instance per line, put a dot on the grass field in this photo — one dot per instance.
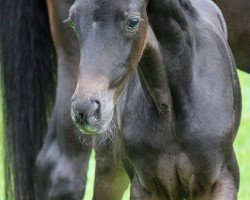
[242, 144]
[242, 147]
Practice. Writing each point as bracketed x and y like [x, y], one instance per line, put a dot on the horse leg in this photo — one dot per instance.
[111, 179]
[62, 173]
[58, 178]
[225, 188]
[137, 192]
[62, 162]
[63, 159]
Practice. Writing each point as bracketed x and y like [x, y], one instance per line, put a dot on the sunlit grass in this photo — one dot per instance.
[1, 152]
[91, 177]
[242, 144]
[242, 147]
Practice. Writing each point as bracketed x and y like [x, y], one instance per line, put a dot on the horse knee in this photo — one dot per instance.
[48, 157]
[226, 187]
[59, 176]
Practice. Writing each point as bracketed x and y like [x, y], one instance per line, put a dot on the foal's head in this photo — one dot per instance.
[112, 35]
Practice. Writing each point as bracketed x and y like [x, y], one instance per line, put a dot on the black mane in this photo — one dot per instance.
[186, 4]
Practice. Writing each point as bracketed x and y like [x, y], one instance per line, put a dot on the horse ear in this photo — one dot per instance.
[153, 75]
[151, 40]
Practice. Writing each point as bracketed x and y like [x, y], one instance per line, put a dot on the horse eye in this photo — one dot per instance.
[133, 24]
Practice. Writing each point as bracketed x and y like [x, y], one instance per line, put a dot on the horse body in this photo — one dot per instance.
[195, 147]
[164, 69]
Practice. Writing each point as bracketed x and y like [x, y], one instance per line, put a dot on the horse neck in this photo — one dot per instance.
[171, 54]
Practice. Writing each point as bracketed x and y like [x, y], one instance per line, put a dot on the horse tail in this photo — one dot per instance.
[28, 88]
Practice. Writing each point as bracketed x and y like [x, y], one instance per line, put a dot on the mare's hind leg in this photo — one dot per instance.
[111, 179]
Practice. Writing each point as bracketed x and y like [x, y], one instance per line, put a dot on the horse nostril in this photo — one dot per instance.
[80, 118]
[86, 112]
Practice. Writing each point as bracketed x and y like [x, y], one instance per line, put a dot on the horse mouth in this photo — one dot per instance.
[93, 130]
[92, 125]
[89, 130]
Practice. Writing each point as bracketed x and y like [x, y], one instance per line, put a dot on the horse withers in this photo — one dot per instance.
[166, 70]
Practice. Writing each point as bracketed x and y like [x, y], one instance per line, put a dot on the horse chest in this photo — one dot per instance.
[172, 173]
[163, 173]
[162, 164]
[166, 161]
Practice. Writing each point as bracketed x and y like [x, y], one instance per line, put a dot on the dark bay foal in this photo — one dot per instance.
[164, 71]
[157, 75]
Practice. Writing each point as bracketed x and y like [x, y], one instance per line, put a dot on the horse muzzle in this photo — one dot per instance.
[88, 116]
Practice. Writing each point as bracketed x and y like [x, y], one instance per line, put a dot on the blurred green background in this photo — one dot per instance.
[242, 148]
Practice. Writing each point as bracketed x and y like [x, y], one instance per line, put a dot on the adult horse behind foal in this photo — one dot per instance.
[29, 87]
[237, 16]
[161, 68]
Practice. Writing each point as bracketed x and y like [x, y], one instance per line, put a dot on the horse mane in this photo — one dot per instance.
[186, 5]
[172, 5]
[28, 85]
